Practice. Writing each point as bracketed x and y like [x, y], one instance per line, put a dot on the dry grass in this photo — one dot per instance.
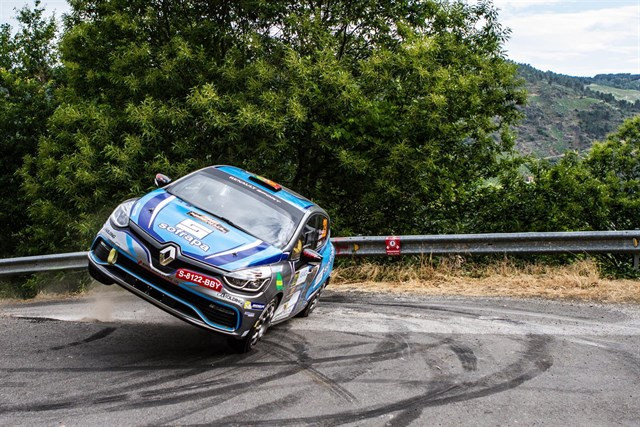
[581, 280]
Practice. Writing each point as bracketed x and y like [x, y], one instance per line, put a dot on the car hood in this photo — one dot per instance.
[200, 235]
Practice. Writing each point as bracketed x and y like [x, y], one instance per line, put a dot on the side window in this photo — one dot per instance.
[310, 232]
[314, 235]
[316, 232]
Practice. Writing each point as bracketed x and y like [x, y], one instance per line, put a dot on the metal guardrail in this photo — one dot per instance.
[35, 264]
[493, 243]
[587, 242]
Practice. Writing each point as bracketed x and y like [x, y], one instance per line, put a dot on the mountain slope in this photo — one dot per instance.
[567, 113]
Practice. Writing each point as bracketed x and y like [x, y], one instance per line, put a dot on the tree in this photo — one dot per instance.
[616, 163]
[27, 66]
[388, 113]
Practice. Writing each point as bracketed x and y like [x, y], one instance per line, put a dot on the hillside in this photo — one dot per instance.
[570, 113]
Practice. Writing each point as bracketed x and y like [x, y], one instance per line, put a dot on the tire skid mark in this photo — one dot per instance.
[199, 369]
[315, 375]
[237, 389]
[358, 305]
[259, 411]
[264, 383]
[535, 361]
[362, 368]
[231, 390]
[465, 355]
[117, 395]
[34, 319]
[405, 418]
[385, 350]
[97, 336]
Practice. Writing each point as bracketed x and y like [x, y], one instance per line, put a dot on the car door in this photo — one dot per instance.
[313, 236]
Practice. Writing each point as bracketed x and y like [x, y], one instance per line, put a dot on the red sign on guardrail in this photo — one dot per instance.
[393, 245]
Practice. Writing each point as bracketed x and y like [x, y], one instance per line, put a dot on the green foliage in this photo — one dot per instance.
[560, 197]
[386, 113]
[27, 70]
[616, 164]
[28, 286]
[597, 192]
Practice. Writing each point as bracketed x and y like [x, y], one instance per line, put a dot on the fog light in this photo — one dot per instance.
[113, 256]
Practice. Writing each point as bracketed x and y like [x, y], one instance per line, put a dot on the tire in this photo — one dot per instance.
[257, 331]
[311, 305]
[98, 275]
[313, 302]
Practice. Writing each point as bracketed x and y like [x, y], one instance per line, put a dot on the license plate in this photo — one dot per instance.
[199, 279]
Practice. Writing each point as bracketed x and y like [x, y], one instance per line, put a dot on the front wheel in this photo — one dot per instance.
[246, 344]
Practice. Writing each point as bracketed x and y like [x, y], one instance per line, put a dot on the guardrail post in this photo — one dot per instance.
[636, 261]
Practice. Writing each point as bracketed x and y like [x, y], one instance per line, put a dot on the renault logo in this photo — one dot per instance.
[167, 255]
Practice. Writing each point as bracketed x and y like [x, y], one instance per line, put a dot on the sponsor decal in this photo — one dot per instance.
[254, 188]
[248, 305]
[321, 274]
[110, 233]
[279, 284]
[199, 279]
[302, 275]
[193, 228]
[209, 221]
[229, 298]
[286, 308]
[185, 235]
[249, 314]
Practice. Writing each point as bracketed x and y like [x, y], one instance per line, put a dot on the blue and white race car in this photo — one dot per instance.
[220, 248]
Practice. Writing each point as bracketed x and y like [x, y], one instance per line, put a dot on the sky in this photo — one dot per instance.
[575, 37]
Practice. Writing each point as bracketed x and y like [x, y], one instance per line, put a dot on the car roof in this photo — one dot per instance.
[284, 193]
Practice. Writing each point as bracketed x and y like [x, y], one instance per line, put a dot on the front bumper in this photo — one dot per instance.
[193, 306]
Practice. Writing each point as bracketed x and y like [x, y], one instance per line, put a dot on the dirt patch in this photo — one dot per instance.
[580, 280]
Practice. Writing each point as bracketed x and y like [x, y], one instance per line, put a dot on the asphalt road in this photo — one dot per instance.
[111, 359]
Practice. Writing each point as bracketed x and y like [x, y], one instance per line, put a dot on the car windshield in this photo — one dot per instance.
[243, 205]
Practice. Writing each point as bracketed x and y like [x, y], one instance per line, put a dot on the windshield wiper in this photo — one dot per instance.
[231, 223]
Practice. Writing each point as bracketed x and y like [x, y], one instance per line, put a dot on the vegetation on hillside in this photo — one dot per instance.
[571, 113]
[396, 116]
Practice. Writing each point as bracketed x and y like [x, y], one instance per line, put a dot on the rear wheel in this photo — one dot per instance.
[258, 330]
[311, 305]
[313, 302]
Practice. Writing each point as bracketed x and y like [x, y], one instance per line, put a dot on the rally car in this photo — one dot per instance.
[220, 248]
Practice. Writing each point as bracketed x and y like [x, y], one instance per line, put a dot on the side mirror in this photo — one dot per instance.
[311, 256]
[161, 180]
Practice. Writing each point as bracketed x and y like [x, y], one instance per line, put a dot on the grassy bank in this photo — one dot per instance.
[580, 280]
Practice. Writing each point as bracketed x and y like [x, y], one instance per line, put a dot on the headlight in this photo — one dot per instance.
[120, 216]
[249, 280]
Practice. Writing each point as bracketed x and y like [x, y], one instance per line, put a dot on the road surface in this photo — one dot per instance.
[112, 359]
